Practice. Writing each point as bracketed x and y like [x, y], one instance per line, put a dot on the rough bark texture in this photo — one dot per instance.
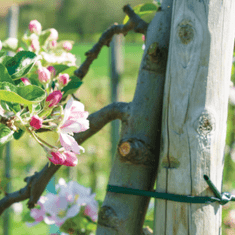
[195, 114]
[136, 161]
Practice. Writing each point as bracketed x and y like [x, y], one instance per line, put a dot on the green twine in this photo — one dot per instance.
[221, 198]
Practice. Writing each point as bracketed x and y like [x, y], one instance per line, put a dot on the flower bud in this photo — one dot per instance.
[57, 158]
[67, 46]
[44, 74]
[35, 27]
[52, 70]
[54, 98]
[25, 81]
[35, 45]
[54, 34]
[36, 122]
[71, 159]
[53, 44]
[143, 37]
[63, 78]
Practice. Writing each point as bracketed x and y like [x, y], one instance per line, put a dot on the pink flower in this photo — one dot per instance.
[143, 37]
[91, 210]
[67, 46]
[25, 81]
[54, 98]
[44, 74]
[57, 158]
[63, 78]
[52, 70]
[35, 27]
[35, 44]
[36, 122]
[53, 43]
[54, 34]
[71, 159]
[75, 120]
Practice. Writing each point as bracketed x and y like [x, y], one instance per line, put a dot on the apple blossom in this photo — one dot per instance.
[54, 34]
[67, 46]
[44, 74]
[20, 49]
[35, 27]
[75, 120]
[53, 44]
[63, 78]
[71, 159]
[25, 81]
[54, 98]
[36, 122]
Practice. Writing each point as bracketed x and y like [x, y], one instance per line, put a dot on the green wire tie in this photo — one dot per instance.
[222, 198]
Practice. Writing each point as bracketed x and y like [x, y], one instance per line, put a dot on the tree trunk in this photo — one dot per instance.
[194, 114]
[135, 165]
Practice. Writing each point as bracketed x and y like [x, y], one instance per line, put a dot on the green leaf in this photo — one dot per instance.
[8, 106]
[142, 10]
[34, 108]
[44, 36]
[70, 71]
[18, 134]
[5, 134]
[21, 63]
[60, 67]
[24, 95]
[4, 75]
[72, 86]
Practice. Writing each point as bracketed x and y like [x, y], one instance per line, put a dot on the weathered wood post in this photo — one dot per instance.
[195, 114]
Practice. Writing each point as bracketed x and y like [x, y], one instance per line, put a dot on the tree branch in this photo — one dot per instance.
[37, 183]
[135, 23]
[116, 110]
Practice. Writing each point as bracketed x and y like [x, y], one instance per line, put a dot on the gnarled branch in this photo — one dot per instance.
[135, 23]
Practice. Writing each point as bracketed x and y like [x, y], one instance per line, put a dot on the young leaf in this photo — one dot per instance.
[24, 95]
[8, 106]
[72, 86]
[142, 10]
[43, 37]
[4, 75]
[60, 67]
[19, 65]
[18, 134]
[5, 134]
[4, 58]
[70, 71]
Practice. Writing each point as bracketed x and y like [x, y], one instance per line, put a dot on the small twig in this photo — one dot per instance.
[135, 23]
[97, 120]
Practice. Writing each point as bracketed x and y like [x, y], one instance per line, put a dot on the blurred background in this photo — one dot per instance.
[84, 21]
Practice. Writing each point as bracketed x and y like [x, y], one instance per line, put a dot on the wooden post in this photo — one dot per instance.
[116, 69]
[12, 19]
[195, 114]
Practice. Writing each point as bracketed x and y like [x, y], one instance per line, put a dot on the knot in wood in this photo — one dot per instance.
[205, 123]
[185, 31]
[107, 217]
[136, 151]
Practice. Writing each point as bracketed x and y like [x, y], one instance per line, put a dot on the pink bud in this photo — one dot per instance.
[19, 49]
[54, 34]
[35, 27]
[67, 46]
[63, 78]
[25, 81]
[54, 98]
[35, 44]
[53, 43]
[57, 158]
[36, 122]
[44, 74]
[71, 159]
[0, 45]
[52, 70]
[143, 37]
